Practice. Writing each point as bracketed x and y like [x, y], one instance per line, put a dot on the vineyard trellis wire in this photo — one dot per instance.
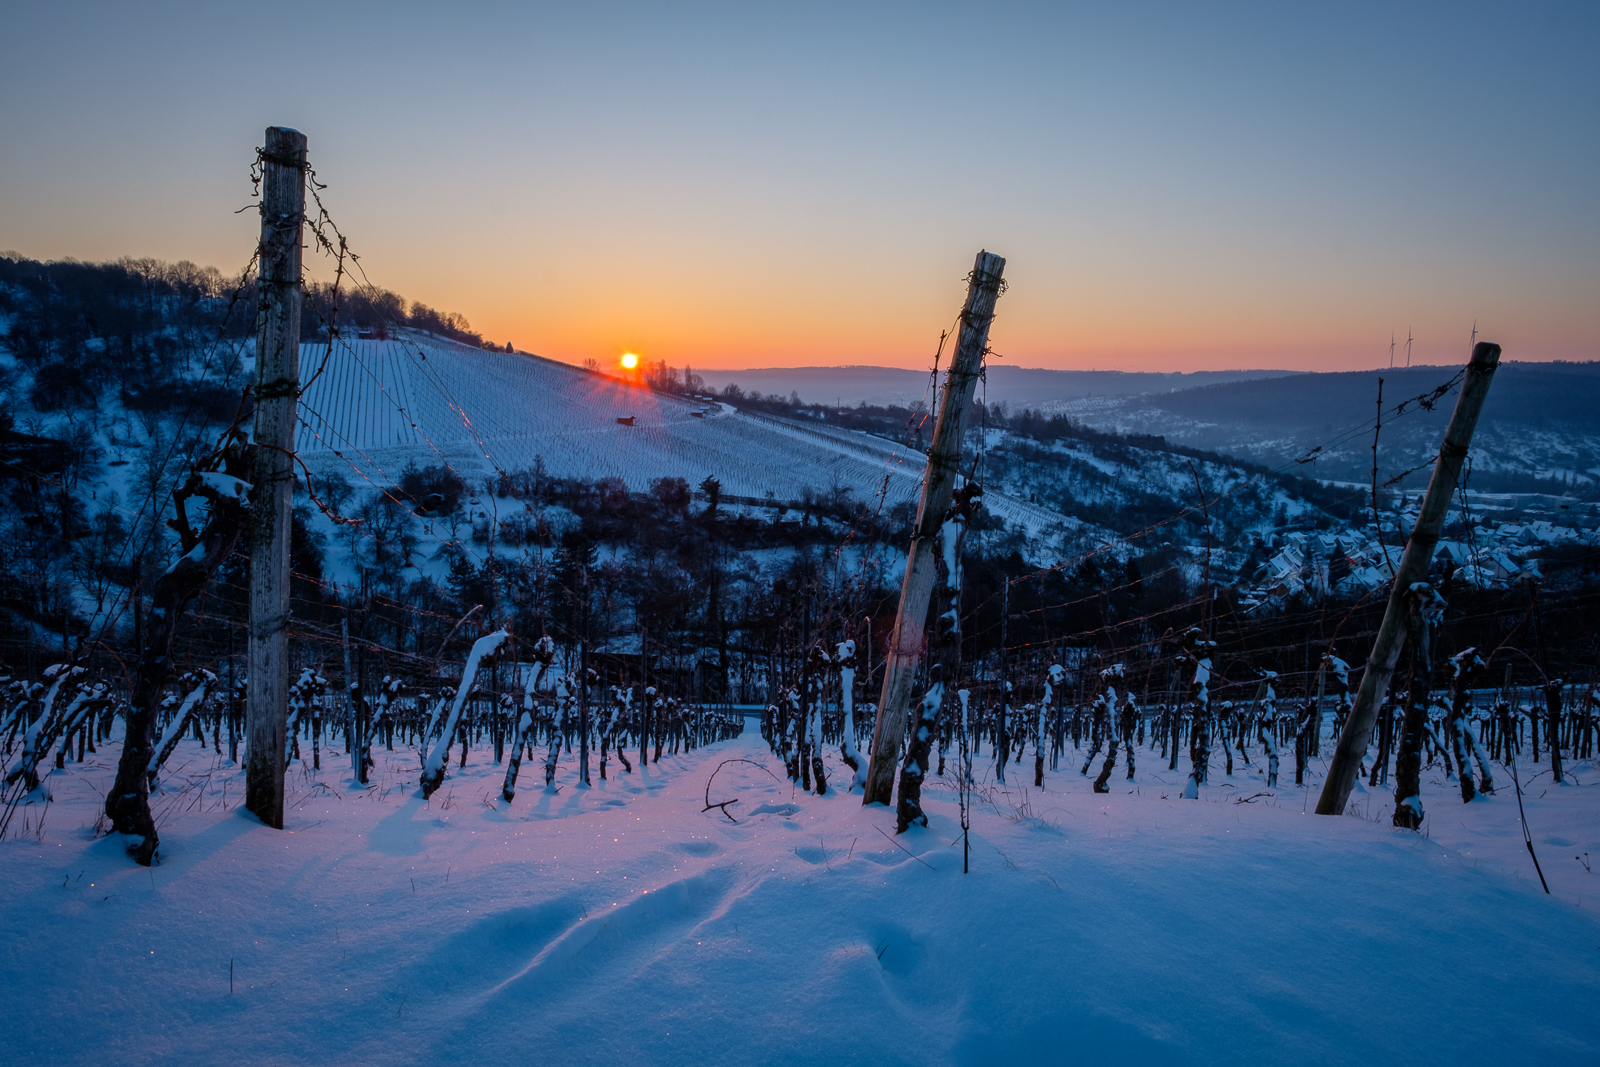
[837, 608]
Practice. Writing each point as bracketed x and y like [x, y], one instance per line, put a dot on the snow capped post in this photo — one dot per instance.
[944, 456]
[305, 697]
[1467, 667]
[1197, 650]
[846, 660]
[283, 203]
[1426, 608]
[560, 718]
[60, 674]
[433, 769]
[816, 673]
[1338, 671]
[1055, 676]
[1267, 725]
[202, 680]
[1106, 711]
[544, 653]
[1346, 763]
[53, 722]
[944, 656]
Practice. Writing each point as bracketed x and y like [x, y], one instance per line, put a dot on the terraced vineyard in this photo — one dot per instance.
[379, 404]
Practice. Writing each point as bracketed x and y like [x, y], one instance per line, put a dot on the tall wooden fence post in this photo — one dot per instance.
[938, 486]
[1413, 568]
[283, 170]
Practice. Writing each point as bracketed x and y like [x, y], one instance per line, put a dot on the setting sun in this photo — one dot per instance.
[629, 361]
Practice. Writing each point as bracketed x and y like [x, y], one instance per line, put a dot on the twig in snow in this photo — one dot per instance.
[903, 848]
[1527, 838]
[723, 806]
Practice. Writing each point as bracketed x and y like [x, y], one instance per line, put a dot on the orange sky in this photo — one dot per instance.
[743, 187]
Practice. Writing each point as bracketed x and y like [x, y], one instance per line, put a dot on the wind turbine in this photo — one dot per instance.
[1408, 346]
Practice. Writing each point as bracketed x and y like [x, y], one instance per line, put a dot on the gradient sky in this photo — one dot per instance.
[1175, 186]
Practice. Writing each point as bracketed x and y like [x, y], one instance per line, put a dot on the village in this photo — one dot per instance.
[1513, 539]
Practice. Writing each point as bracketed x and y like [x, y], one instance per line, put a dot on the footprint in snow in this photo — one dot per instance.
[775, 809]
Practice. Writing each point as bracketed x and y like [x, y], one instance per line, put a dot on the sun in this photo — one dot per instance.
[629, 361]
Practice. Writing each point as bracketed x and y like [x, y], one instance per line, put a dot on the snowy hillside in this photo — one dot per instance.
[380, 404]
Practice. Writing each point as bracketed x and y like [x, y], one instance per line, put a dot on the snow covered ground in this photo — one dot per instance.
[378, 404]
[622, 923]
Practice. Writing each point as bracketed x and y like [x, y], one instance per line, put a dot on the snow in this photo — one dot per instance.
[226, 485]
[61, 674]
[622, 923]
[202, 680]
[380, 404]
[483, 646]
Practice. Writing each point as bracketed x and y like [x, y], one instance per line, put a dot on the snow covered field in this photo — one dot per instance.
[383, 403]
[621, 923]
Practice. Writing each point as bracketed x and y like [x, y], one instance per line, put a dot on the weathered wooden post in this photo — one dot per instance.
[283, 169]
[1413, 568]
[938, 486]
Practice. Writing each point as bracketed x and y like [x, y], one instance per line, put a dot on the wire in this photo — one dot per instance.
[118, 603]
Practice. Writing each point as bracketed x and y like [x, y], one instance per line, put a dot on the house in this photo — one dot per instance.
[1500, 567]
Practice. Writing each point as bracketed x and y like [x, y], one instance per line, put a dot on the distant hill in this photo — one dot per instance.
[1014, 386]
[1540, 430]
[1541, 422]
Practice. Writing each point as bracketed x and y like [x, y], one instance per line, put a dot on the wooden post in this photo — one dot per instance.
[283, 168]
[1414, 563]
[938, 486]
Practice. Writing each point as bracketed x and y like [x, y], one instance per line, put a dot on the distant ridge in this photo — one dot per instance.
[1541, 420]
[1014, 386]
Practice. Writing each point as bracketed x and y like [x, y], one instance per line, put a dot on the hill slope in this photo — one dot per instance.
[379, 404]
[1540, 420]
